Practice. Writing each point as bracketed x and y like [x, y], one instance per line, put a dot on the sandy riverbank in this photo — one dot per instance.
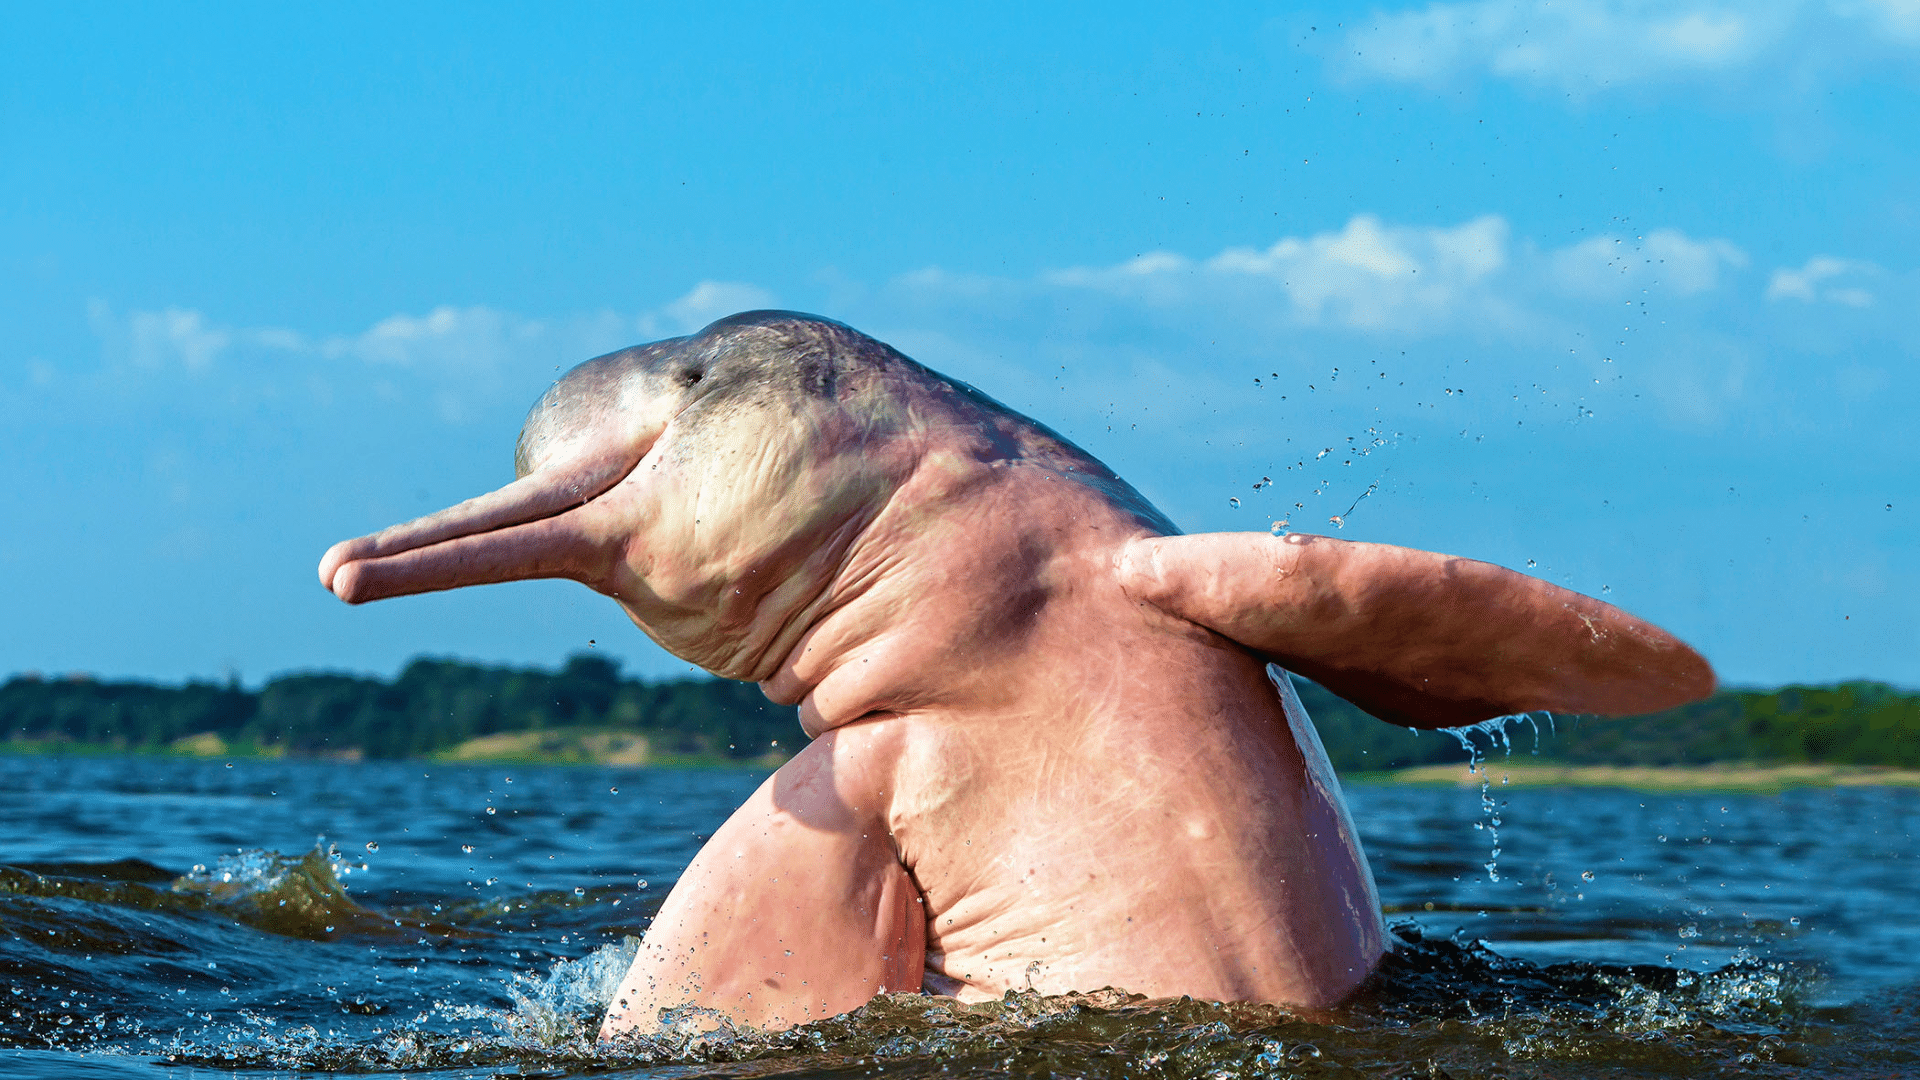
[1728, 776]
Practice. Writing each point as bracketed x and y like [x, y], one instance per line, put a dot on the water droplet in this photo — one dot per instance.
[489, 809]
[1279, 528]
[1586, 875]
[1234, 503]
[229, 764]
[1530, 562]
[642, 883]
[468, 848]
[1795, 921]
[1337, 521]
[579, 891]
[373, 845]
[613, 791]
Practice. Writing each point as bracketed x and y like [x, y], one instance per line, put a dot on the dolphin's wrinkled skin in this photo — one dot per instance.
[1047, 750]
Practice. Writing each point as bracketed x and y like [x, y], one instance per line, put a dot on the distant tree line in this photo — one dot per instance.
[432, 705]
[1851, 723]
[435, 705]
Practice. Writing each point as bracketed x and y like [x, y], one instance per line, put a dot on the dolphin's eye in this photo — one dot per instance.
[690, 376]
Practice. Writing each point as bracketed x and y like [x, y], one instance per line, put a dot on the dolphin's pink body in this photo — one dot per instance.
[1048, 752]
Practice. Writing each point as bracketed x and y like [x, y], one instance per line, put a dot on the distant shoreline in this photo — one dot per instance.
[561, 746]
[586, 712]
[1738, 776]
[626, 750]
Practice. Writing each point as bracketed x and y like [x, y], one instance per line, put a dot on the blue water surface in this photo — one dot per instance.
[169, 917]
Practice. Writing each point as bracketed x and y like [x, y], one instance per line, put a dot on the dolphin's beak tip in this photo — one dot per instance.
[330, 564]
[335, 574]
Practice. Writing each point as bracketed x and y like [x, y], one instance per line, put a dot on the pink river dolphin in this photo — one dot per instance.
[1049, 750]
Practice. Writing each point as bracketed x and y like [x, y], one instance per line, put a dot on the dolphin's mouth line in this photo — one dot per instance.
[523, 530]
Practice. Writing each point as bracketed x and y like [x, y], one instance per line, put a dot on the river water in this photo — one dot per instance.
[171, 918]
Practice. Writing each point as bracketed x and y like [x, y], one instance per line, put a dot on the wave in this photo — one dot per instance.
[264, 961]
[301, 897]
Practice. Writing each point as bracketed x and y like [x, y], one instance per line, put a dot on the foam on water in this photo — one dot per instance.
[1509, 1014]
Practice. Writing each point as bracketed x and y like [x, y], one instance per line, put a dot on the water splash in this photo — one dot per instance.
[561, 1011]
[303, 897]
[1495, 730]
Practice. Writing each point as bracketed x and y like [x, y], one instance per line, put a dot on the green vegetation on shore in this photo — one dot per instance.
[588, 712]
[1851, 723]
[435, 708]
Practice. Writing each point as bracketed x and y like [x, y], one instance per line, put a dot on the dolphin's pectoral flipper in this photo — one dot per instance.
[795, 911]
[1415, 637]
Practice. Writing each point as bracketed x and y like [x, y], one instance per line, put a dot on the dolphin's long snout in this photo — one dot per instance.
[511, 534]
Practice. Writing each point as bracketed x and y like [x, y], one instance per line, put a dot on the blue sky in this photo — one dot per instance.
[1620, 294]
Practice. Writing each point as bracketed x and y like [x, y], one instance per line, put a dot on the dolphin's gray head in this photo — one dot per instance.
[756, 359]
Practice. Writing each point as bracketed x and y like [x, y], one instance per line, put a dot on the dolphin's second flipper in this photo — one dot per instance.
[796, 910]
[1415, 637]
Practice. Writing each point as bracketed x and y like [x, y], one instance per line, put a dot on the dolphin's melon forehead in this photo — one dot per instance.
[780, 353]
[753, 358]
[583, 397]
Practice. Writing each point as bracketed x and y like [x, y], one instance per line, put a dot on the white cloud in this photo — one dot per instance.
[1809, 283]
[1590, 46]
[712, 300]
[1374, 276]
[1367, 275]
[468, 348]
[487, 339]
[453, 337]
[174, 337]
[161, 336]
[1609, 266]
